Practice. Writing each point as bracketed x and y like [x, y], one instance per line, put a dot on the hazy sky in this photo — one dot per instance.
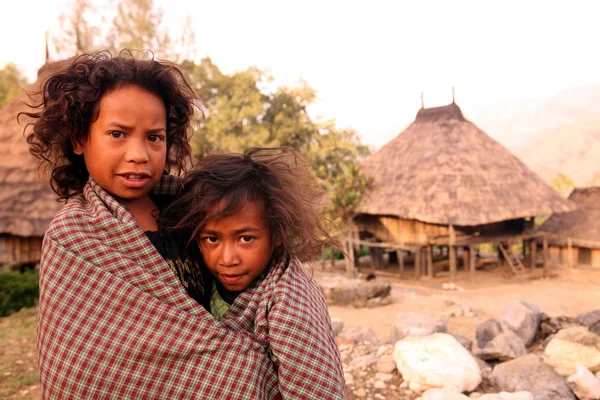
[370, 61]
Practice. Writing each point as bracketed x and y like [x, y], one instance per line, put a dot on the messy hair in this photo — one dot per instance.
[277, 176]
[70, 103]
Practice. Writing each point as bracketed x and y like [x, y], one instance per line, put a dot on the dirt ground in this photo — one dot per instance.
[564, 292]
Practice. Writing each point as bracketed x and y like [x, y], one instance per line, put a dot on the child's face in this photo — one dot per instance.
[126, 148]
[237, 248]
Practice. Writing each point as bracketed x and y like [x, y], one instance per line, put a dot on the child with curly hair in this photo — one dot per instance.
[255, 217]
[115, 319]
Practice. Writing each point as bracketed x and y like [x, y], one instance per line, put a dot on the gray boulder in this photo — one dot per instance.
[416, 325]
[466, 342]
[529, 373]
[487, 331]
[337, 324]
[591, 320]
[359, 334]
[522, 318]
[506, 346]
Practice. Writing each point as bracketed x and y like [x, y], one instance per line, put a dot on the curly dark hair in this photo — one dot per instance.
[70, 99]
[278, 176]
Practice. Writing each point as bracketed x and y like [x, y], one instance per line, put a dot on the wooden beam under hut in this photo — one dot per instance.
[401, 262]
[532, 253]
[418, 254]
[472, 262]
[429, 250]
[569, 253]
[545, 254]
[452, 252]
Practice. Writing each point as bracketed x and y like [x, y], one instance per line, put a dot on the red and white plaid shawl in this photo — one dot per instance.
[115, 322]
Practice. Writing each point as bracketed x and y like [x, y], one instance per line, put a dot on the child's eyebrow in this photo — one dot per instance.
[129, 128]
[245, 229]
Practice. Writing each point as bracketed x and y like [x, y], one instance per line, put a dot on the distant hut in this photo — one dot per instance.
[444, 182]
[574, 237]
[27, 203]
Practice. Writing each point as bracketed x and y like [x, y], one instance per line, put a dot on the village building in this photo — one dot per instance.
[574, 237]
[27, 203]
[445, 183]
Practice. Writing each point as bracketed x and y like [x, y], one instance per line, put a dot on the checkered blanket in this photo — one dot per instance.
[115, 322]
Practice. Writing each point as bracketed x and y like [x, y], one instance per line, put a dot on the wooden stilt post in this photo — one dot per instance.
[452, 253]
[532, 253]
[429, 261]
[323, 258]
[545, 253]
[333, 257]
[570, 253]
[418, 262]
[472, 262]
[465, 258]
[401, 262]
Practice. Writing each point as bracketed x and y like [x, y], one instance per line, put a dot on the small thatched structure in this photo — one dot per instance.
[444, 182]
[574, 237]
[27, 204]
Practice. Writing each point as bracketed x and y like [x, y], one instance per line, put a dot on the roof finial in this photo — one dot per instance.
[422, 101]
[453, 102]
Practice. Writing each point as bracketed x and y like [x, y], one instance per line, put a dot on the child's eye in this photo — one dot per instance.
[156, 138]
[211, 239]
[116, 134]
[246, 239]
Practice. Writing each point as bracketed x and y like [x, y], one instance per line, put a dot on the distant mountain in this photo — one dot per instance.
[573, 150]
[558, 134]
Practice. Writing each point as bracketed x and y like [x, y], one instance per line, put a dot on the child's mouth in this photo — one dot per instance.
[134, 180]
[230, 279]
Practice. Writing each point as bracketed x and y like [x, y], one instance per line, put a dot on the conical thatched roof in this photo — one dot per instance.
[583, 223]
[27, 204]
[445, 170]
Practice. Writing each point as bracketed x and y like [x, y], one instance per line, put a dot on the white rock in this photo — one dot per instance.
[404, 385]
[436, 361]
[348, 378]
[475, 395]
[571, 347]
[360, 393]
[442, 394]
[507, 396]
[417, 325]
[584, 384]
[383, 377]
[379, 385]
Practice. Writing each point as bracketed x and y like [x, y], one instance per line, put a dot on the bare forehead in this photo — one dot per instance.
[251, 214]
[132, 101]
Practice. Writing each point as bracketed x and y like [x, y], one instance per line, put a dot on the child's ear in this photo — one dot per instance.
[77, 146]
[277, 241]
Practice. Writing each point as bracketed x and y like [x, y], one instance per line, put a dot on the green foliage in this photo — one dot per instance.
[562, 184]
[12, 81]
[18, 290]
[241, 113]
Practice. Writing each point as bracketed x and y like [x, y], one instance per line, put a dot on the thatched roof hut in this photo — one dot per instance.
[443, 181]
[27, 203]
[445, 170]
[574, 237]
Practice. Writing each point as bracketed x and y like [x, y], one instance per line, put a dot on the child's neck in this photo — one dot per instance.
[144, 211]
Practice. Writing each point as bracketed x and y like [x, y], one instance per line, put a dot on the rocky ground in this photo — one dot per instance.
[504, 346]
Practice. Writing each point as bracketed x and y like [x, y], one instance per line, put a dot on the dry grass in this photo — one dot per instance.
[19, 377]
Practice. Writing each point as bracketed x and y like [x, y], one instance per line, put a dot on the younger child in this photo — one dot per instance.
[255, 218]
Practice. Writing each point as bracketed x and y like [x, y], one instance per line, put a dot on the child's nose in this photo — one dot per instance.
[229, 255]
[136, 152]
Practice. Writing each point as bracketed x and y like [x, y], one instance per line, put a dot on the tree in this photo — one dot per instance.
[77, 35]
[12, 81]
[562, 184]
[240, 115]
[136, 25]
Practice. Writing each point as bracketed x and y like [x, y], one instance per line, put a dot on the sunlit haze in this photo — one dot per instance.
[370, 61]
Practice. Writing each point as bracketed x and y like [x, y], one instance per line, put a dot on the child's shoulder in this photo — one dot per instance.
[296, 281]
